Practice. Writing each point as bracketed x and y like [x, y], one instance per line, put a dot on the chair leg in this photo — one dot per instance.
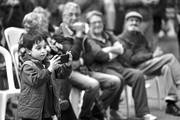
[3, 103]
[127, 101]
[158, 92]
[75, 98]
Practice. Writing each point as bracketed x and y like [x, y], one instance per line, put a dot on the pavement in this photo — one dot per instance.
[157, 107]
[154, 108]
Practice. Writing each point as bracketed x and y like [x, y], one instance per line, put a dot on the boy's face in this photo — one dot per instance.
[39, 51]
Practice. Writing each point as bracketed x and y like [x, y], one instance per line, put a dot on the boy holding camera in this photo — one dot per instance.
[39, 98]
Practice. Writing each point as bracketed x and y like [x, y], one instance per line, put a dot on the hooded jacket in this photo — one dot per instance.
[36, 83]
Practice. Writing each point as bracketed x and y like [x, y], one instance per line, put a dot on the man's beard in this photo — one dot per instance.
[133, 29]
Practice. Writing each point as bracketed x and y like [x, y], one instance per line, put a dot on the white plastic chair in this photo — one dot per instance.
[11, 91]
[12, 37]
[76, 98]
[158, 89]
[13, 34]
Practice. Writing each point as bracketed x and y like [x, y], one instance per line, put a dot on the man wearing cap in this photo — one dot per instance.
[138, 54]
[99, 45]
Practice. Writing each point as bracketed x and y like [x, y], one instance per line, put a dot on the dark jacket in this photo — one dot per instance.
[70, 43]
[36, 84]
[12, 16]
[136, 48]
[94, 57]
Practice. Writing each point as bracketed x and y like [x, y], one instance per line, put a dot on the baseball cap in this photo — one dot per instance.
[133, 14]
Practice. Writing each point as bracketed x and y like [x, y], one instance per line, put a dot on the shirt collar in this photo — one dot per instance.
[105, 37]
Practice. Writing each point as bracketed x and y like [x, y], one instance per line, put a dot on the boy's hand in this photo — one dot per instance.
[54, 63]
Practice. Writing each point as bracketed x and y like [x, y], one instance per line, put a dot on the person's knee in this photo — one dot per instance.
[116, 81]
[138, 73]
[139, 76]
[94, 84]
[170, 56]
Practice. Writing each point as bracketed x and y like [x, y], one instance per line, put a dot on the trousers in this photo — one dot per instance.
[167, 67]
[91, 84]
[135, 79]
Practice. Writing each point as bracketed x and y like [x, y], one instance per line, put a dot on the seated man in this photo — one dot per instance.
[91, 84]
[138, 54]
[98, 56]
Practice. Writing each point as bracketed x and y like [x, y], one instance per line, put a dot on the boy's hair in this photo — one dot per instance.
[29, 40]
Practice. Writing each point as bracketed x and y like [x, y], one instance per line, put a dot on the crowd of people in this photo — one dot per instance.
[80, 47]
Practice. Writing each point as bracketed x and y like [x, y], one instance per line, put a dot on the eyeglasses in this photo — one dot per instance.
[72, 14]
[96, 22]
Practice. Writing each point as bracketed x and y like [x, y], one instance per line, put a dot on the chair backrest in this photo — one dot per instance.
[12, 37]
[9, 69]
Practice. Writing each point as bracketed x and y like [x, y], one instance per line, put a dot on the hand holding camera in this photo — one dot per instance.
[54, 63]
[78, 26]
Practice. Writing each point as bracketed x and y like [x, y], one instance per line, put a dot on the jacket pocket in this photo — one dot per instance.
[24, 99]
[36, 101]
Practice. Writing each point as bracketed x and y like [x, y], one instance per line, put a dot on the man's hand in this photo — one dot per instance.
[79, 28]
[157, 52]
[106, 49]
[76, 64]
[117, 48]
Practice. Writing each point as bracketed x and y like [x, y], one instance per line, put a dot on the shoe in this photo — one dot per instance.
[64, 104]
[173, 109]
[91, 118]
[149, 117]
[99, 111]
[117, 115]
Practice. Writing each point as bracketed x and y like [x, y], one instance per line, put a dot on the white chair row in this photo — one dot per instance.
[12, 36]
[12, 90]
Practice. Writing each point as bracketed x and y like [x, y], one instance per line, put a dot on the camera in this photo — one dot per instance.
[64, 58]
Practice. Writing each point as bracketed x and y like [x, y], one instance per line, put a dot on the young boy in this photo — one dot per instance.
[39, 98]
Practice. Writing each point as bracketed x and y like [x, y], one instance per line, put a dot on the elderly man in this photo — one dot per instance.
[139, 55]
[90, 83]
[99, 45]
